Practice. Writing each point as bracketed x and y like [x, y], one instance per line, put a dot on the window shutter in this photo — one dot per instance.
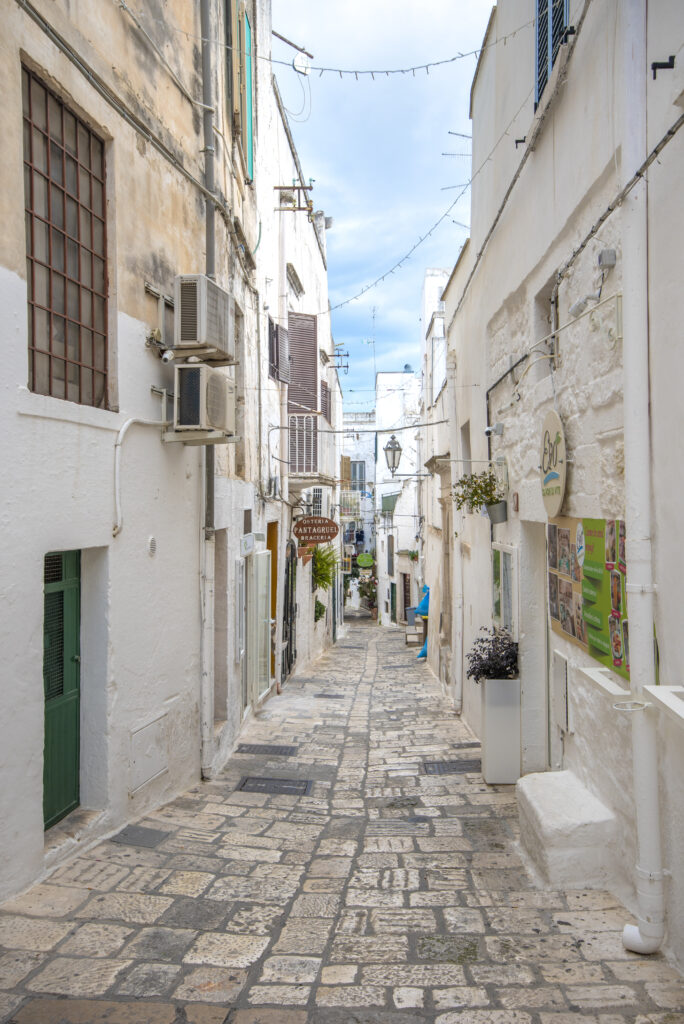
[303, 390]
[345, 471]
[325, 401]
[248, 126]
[283, 354]
[542, 46]
[237, 41]
[272, 350]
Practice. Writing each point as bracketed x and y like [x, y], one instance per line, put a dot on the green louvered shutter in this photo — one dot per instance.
[61, 681]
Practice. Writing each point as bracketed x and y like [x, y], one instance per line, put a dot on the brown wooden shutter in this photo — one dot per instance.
[345, 471]
[325, 401]
[303, 390]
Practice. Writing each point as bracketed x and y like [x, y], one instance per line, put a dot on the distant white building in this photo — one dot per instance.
[397, 407]
[434, 490]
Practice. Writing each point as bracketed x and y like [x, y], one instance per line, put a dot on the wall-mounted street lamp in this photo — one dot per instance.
[392, 452]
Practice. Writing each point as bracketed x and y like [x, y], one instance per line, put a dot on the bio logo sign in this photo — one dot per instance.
[553, 464]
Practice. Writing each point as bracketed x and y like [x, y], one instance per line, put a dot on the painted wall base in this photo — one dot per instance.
[500, 730]
[567, 832]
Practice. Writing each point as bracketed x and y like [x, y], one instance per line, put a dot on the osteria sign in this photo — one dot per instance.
[553, 464]
[315, 530]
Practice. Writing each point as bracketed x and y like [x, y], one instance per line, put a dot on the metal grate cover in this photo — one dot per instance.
[138, 835]
[266, 748]
[452, 767]
[53, 644]
[289, 787]
[329, 696]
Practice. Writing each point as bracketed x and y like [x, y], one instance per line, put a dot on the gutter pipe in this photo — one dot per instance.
[207, 542]
[647, 936]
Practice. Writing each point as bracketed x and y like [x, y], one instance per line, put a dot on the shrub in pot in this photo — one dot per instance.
[493, 656]
[493, 660]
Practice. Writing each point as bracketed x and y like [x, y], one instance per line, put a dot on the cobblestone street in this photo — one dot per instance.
[372, 892]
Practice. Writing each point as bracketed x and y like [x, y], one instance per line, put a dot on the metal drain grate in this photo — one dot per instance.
[351, 647]
[452, 767]
[266, 748]
[290, 787]
[329, 696]
[470, 743]
[138, 835]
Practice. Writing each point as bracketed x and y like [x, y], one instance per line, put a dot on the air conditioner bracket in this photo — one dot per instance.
[196, 437]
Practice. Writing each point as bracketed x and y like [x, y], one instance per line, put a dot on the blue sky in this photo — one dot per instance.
[374, 149]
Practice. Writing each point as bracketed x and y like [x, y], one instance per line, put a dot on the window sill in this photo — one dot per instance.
[548, 96]
[44, 407]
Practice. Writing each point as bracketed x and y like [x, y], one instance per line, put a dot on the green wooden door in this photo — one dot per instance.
[61, 679]
[393, 602]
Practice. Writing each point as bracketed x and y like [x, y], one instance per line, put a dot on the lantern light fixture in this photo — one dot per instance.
[392, 452]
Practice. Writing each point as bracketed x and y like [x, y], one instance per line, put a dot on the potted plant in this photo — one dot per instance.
[319, 610]
[493, 662]
[476, 491]
[368, 589]
[323, 567]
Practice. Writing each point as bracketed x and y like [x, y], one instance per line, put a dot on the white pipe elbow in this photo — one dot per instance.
[636, 942]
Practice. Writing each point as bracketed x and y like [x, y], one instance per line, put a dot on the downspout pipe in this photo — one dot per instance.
[207, 542]
[647, 935]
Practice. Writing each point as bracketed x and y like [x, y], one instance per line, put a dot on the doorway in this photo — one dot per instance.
[272, 546]
[289, 611]
[62, 684]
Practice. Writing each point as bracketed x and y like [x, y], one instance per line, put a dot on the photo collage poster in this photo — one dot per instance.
[587, 598]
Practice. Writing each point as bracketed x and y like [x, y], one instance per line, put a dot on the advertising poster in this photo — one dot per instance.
[587, 601]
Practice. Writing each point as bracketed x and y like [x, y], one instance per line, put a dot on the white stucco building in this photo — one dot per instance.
[397, 405]
[139, 577]
[434, 488]
[567, 300]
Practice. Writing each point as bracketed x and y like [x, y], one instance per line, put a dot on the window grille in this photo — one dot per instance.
[325, 401]
[64, 184]
[358, 476]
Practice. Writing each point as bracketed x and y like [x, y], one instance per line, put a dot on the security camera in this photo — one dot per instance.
[496, 428]
[168, 356]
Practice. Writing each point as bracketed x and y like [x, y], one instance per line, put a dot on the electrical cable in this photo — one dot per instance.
[355, 72]
[437, 223]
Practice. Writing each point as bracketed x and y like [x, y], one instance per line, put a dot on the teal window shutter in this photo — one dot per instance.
[249, 102]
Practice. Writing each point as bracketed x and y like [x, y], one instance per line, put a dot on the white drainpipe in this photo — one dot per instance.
[647, 936]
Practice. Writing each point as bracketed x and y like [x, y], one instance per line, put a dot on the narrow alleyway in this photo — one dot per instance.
[369, 891]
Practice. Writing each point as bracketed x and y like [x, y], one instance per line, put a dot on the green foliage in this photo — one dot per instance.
[493, 656]
[368, 590]
[319, 610]
[324, 566]
[476, 490]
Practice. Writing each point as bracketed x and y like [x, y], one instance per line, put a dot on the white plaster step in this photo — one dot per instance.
[569, 835]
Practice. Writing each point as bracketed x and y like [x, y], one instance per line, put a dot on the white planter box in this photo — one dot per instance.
[500, 730]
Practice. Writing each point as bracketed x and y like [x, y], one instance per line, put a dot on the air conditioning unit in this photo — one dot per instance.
[203, 319]
[204, 399]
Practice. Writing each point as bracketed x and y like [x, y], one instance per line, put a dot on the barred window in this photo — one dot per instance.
[64, 184]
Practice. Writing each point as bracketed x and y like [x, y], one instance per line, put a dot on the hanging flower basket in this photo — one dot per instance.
[475, 491]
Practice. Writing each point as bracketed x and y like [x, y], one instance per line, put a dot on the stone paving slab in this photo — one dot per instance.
[385, 896]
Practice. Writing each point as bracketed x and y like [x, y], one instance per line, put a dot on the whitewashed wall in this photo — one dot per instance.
[568, 181]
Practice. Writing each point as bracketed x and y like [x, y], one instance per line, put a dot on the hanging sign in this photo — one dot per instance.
[365, 559]
[553, 464]
[315, 530]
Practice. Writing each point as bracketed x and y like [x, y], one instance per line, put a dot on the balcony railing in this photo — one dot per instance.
[350, 504]
[311, 446]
